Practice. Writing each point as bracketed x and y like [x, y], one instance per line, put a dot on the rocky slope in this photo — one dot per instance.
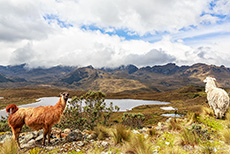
[125, 78]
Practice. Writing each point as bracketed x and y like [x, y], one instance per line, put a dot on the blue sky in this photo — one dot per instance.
[108, 33]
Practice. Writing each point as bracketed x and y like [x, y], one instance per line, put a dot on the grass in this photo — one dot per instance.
[121, 134]
[138, 144]
[189, 137]
[102, 132]
[198, 129]
[226, 136]
[9, 147]
[174, 124]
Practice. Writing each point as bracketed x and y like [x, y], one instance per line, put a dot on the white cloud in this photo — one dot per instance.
[20, 21]
[151, 58]
[26, 36]
[222, 7]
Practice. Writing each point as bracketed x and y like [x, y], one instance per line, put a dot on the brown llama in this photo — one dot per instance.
[42, 117]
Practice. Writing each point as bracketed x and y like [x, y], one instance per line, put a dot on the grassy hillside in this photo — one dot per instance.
[196, 132]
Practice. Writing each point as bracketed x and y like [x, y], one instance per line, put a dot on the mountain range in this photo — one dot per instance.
[112, 80]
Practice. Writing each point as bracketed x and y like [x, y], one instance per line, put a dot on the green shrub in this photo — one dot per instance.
[4, 124]
[133, 120]
[87, 111]
[210, 122]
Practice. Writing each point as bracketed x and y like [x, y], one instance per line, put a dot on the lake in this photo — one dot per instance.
[124, 104]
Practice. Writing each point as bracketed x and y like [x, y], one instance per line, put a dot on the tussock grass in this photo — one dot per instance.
[173, 150]
[228, 118]
[189, 137]
[102, 132]
[152, 132]
[226, 136]
[9, 147]
[138, 144]
[192, 117]
[206, 111]
[120, 134]
[174, 124]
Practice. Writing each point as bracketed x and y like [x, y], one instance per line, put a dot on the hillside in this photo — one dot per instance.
[196, 130]
[111, 80]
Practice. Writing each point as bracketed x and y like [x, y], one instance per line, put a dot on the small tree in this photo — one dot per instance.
[87, 111]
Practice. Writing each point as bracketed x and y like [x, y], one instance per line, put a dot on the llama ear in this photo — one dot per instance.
[61, 94]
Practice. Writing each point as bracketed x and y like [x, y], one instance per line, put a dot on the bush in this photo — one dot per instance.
[87, 111]
[4, 124]
[133, 120]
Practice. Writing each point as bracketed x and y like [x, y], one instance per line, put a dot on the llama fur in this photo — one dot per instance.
[42, 117]
[218, 98]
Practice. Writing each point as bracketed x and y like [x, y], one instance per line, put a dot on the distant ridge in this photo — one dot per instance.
[124, 78]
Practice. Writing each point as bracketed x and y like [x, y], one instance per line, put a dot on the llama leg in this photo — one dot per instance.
[45, 131]
[49, 133]
[16, 132]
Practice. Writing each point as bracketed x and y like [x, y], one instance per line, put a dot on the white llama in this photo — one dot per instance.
[218, 98]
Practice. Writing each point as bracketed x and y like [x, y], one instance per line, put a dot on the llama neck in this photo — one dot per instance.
[61, 104]
[209, 86]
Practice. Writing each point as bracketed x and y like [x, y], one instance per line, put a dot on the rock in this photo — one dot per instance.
[36, 134]
[39, 138]
[168, 120]
[80, 143]
[6, 137]
[74, 136]
[67, 131]
[104, 144]
[28, 137]
[135, 132]
[63, 135]
[29, 144]
[56, 132]
[159, 126]
[144, 130]
[92, 136]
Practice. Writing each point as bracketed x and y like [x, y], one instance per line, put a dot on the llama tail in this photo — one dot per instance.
[12, 108]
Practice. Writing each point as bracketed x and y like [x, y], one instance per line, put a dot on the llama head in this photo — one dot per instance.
[65, 95]
[210, 83]
[12, 108]
[207, 79]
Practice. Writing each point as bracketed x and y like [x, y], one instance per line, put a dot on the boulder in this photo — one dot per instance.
[74, 136]
[27, 138]
[30, 144]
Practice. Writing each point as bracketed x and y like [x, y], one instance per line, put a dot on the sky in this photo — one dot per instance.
[111, 33]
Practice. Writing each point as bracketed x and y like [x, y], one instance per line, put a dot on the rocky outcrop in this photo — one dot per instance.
[59, 139]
